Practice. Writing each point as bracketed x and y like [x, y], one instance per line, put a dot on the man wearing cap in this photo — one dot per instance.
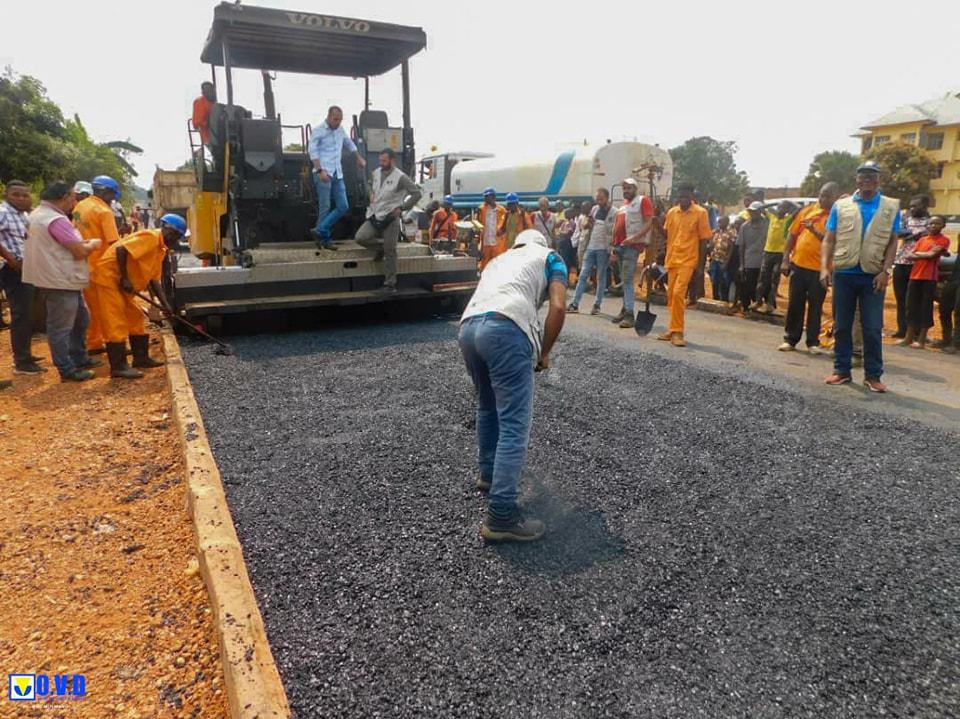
[858, 253]
[326, 149]
[392, 193]
[503, 343]
[55, 262]
[13, 233]
[632, 225]
[490, 216]
[751, 239]
[132, 265]
[515, 221]
[687, 226]
[82, 190]
[443, 223]
[94, 219]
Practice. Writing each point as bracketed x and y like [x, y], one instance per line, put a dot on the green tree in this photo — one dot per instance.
[906, 170]
[837, 166]
[38, 145]
[708, 165]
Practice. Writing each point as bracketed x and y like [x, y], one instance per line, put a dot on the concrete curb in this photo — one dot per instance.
[722, 308]
[252, 681]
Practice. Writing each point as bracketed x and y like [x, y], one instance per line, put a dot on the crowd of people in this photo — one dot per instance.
[82, 264]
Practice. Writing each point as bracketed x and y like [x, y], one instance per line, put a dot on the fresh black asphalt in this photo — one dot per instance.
[717, 547]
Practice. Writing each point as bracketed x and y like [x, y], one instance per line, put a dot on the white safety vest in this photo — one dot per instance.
[47, 263]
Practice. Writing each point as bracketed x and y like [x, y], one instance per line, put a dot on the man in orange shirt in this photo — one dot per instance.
[443, 224]
[132, 265]
[801, 263]
[688, 230]
[94, 219]
[491, 215]
[201, 110]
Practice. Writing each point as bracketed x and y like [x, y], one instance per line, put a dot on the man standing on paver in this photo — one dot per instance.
[392, 194]
[751, 240]
[326, 149]
[632, 225]
[858, 253]
[688, 231]
[13, 232]
[503, 344]
[801, 263]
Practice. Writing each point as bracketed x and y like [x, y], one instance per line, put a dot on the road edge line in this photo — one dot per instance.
[252, 680]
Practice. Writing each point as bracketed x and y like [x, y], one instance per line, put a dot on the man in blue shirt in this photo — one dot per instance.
[856, 258]
[326, 149]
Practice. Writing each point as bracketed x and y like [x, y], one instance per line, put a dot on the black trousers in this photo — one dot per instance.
[748, 286]
[950, 312]
[920, 304]
[770, 277]
[806, 298]
[901, 278]
[20, 296]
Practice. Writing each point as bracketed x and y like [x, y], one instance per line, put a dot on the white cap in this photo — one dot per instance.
[630, 181]
[530, 237]
[755, 206]
[82, 186]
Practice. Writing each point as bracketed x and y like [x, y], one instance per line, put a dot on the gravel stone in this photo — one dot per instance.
[716, 547]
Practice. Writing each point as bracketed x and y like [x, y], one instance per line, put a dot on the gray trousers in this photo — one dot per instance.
[384, 241]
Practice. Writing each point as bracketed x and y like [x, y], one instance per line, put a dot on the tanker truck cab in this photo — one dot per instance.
[256, 202]
[436, 173]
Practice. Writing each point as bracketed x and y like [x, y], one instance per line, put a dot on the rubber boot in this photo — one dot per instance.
[140, 346]
[117, 352]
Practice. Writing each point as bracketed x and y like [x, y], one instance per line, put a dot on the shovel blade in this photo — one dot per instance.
[644, 323]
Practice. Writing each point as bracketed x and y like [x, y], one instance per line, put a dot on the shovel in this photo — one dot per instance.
[645, 319]
[222, 347]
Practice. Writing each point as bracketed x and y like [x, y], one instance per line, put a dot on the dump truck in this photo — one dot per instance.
[254, 204]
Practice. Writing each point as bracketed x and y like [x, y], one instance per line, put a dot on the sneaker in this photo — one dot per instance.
[78, 375]
[91, 363]
[519, 529]
[595, 310]
[677, 340]
[837, 379]
[572, 309]
[30, 368]
[786, 347]
[483, 484]
[874, 385]
[665, 336]
[815, 349]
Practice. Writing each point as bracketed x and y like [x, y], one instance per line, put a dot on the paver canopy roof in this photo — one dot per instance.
[290, 41]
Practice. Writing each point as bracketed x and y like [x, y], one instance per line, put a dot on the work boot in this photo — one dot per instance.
[117, 353]
[572, 309]
[627, 320]
[620, 316]
[665, 336]
[483, 484]
[140, 345]
[78, 375]
[519, 528]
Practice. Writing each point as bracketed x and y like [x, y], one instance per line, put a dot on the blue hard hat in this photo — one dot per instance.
[489, 191]
[448, 199]
[175, 221]
[512, 197]
[107, 182]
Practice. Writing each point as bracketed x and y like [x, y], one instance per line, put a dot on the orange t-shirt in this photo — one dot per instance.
[145, 254]
[929, 268]
[94, 219]
[685, 231]
[201, 115]
[806, 250]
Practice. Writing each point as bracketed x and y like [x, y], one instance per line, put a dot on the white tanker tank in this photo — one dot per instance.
[572, 175]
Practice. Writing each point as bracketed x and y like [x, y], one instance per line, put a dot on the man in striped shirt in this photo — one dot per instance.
[13, 231]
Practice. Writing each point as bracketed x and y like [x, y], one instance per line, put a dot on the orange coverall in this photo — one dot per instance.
[499, 246]
[119, 313]
[685, 230]
[442, 225]
[93, 218]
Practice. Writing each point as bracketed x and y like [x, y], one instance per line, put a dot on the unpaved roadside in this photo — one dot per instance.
[97, 568]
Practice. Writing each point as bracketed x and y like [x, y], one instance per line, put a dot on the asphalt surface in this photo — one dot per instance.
[718, 546]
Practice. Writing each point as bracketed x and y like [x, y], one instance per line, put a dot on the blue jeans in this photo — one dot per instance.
[20, 296]
[598, 259]
[719, 280]
[67, 320]
[332, 193]
[849, 290]
[628, 268]
[500, 362]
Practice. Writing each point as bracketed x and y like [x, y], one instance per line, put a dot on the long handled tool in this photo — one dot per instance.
[222, 349]
[645, 319]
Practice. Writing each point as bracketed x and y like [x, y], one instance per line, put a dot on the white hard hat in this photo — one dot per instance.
[531, 237]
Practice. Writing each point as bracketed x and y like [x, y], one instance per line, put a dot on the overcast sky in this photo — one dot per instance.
[784, 80]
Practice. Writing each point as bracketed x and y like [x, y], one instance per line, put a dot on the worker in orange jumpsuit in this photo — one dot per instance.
[94, 219]
[688, 231]
[443, 224]
[201, 110]
[491, 216]
[132, 265]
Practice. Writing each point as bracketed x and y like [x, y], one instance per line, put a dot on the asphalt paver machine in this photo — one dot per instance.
[255, 202]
